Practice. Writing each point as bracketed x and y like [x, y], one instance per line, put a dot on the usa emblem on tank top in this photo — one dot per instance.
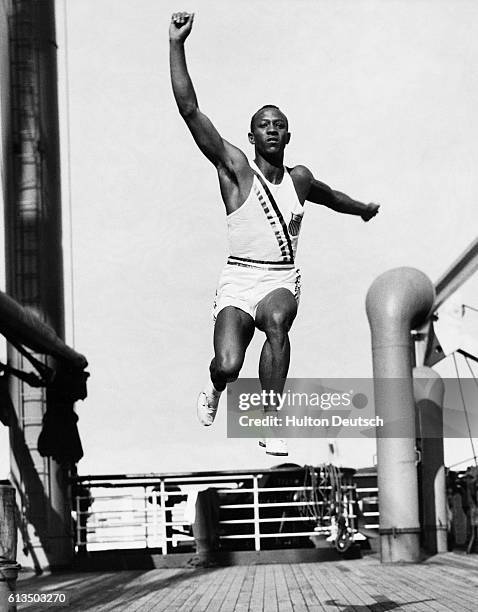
[294, 224]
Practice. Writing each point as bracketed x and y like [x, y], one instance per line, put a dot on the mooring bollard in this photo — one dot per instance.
[8, 549]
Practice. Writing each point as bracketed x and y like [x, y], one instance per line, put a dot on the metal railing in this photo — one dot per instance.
[257, 509]
[368, 502]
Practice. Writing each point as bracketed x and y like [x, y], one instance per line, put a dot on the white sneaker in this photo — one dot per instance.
[207, 404]
[276, 447]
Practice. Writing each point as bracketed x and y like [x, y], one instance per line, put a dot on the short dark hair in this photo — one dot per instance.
[261, 109]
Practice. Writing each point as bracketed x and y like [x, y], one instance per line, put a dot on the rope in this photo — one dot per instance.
[321, 503]
[465, 410]
[460, 463]
[471, 370]
[469, 307]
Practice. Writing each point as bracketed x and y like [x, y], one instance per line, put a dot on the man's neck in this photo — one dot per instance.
[272, 168]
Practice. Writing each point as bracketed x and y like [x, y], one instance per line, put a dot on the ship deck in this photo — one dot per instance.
[446, 582]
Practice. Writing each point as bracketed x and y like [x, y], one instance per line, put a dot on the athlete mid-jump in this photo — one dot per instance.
[259, 286]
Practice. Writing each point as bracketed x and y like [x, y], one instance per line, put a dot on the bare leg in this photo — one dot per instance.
[233, 332]
[275, 315]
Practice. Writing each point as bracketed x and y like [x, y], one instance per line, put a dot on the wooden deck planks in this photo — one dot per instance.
[230, 601]
[227, 585]
[271, 603]
[320, 588]
[445, 583]
[385, 589]
[284, 603]
[351, 590]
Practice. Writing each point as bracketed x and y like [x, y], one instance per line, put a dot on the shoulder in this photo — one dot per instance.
[302, 178]
[236, 157]
[301, 173]
[235, 166]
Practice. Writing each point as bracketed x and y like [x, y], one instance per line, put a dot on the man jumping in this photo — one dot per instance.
[260, 285]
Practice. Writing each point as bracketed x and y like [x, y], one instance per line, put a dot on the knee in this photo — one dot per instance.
[227, 366]
[277, 324]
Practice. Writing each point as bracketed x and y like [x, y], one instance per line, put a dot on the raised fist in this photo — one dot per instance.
[181, 24]
[372, 210]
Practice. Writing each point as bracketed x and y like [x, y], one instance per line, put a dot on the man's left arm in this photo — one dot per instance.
[320, 193]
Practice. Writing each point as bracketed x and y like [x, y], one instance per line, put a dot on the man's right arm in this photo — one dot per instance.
[221, 153]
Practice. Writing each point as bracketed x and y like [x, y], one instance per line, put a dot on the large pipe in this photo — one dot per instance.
[397, 301]
[21, 325]
[429, 391]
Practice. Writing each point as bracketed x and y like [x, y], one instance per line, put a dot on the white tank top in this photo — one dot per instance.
[265, 229]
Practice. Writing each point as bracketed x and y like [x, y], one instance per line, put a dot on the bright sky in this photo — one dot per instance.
[381, 99]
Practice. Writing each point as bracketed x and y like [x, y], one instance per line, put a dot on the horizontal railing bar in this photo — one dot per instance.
[152, 537]
[269, 489]
[119, 511]
[193, 475]
[126, 538]
[150, 525]
[114, 498]
[272, 505]
[268, 520]
[157, 494]
[270, 535]
[157, 483]
[97, 526]
[287, 504]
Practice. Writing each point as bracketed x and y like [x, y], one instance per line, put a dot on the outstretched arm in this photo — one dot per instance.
[208, 139]
[320, 193]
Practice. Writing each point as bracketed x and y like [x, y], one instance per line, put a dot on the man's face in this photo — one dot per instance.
[270, 131]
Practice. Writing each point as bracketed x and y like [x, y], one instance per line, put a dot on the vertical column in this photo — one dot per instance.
[396, 302]
[429, 390]
[35, 272]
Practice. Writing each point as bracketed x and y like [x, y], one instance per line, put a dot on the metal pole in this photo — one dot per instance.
[79, 540]
[397, 301]
[429, 390]
[459, 272]
[257, 527]
[145, 500]
[164, 532]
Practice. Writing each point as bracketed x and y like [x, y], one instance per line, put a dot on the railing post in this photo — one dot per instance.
[145, 499]
[79, 542]
[154, 493]
[164, 534]
[257, 525]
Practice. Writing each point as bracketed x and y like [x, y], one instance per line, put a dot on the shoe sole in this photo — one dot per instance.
[197, 412]
[262, 444]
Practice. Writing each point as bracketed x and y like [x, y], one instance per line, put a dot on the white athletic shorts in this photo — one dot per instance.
[244, 287]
